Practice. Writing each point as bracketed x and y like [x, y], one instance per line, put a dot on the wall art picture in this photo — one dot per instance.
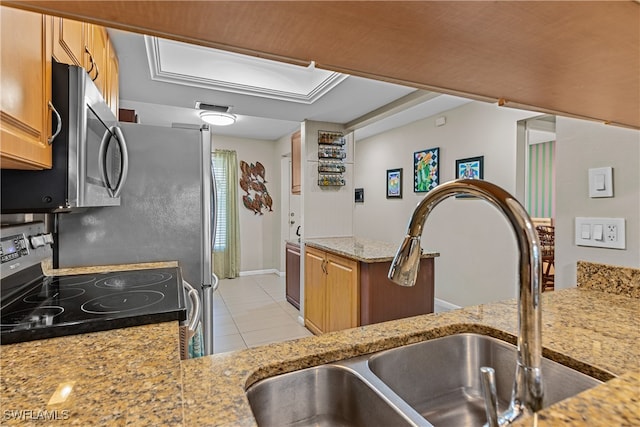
[425, 170]
[394, 183]
[256, 197]
[471, 168]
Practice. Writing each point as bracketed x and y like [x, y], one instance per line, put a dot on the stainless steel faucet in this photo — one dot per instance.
[527, 393]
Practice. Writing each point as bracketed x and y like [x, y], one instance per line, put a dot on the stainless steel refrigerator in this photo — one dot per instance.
[167, 213]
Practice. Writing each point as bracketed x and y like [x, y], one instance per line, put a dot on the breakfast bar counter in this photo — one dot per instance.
[135, 376]
[361, 249]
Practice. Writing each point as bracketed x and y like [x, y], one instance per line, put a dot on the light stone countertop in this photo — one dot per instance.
[592, 331]
[361, 249]
[134, 375]
[48, 270]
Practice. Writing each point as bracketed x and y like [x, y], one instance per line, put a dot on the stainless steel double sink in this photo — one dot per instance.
[431, 383]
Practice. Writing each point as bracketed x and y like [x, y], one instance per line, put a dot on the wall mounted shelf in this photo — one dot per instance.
[331, 155]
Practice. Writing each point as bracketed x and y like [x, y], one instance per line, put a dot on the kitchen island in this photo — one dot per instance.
[346, 284]
[135, 375]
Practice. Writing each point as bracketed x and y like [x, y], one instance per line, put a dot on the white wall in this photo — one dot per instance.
[582, 145]
[478, 251]
[326, 211]
[259, 234]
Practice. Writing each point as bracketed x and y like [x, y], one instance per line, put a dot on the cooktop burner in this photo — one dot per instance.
[67, 305]
[137, 279]
[69, 280]
[53, 293]
[122, 302]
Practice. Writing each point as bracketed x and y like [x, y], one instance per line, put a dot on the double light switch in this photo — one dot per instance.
[600, 232]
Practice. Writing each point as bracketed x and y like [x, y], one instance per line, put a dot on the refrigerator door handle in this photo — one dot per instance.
[196, 308]
[215, 281]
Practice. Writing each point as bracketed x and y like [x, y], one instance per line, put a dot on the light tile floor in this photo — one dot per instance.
[252, 310]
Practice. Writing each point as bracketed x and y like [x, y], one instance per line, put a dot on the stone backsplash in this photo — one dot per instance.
[609, 278]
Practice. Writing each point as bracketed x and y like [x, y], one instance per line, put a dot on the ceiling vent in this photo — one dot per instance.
[216, 115]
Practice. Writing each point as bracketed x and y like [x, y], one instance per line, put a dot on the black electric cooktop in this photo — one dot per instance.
[68, 305]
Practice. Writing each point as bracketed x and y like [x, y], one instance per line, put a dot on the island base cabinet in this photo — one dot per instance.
[382, 300]
[331, 293]
[343, 308]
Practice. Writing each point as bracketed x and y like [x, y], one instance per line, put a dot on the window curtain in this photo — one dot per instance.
[540, 202]
[226, 246]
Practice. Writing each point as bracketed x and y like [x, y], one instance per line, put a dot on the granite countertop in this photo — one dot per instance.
[361, 249]
[592, 331]
[134, 375]
[122, 376]
[48, 270]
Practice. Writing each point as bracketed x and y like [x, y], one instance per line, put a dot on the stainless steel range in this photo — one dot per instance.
[34, 306]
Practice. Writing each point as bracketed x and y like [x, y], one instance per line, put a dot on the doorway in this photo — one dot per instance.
[291, 225]
[537, 166]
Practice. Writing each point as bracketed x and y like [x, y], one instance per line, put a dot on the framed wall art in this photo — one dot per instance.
[425, 170]
[394, 183]
[470, 168]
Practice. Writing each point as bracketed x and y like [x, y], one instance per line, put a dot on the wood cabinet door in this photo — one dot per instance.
[296, 159]
[25, 84]
[69, 41]
[314, 290]
[98, 46]
[113, 83]
[343, 302]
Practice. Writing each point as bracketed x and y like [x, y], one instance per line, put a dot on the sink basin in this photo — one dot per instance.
[327, 395]
[430, 383]
[440, 378]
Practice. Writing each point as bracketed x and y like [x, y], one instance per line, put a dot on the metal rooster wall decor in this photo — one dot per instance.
[253, 183]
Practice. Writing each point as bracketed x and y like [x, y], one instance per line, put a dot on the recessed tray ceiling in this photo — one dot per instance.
[186, 64]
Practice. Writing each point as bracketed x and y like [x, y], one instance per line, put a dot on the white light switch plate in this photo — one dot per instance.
[600, 232]
[601, 182]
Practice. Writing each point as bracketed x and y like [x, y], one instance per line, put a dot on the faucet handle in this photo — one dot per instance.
[488, 378]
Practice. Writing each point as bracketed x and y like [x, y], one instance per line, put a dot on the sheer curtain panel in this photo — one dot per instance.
[226, 246]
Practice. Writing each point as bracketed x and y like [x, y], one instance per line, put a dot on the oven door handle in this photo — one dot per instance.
[196, 308]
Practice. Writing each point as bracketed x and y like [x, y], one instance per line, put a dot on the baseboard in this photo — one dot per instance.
[442, 305]
[257, 272]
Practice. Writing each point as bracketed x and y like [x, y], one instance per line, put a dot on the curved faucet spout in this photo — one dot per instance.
[527, 389]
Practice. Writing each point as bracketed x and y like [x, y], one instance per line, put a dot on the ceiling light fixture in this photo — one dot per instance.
[218, 118]
[216, 115]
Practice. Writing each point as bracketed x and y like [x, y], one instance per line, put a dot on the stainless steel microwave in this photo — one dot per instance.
[90, 159]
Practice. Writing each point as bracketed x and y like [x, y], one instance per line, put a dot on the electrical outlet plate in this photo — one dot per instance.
[603, 232]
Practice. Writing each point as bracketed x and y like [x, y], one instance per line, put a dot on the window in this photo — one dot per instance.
[220, 174]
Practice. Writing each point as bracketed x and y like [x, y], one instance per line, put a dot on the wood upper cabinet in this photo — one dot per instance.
[25, 89]
[296, 159]
[331, 291]
[98, 47]
[112, 95]
[69, 41]
[89, 46]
